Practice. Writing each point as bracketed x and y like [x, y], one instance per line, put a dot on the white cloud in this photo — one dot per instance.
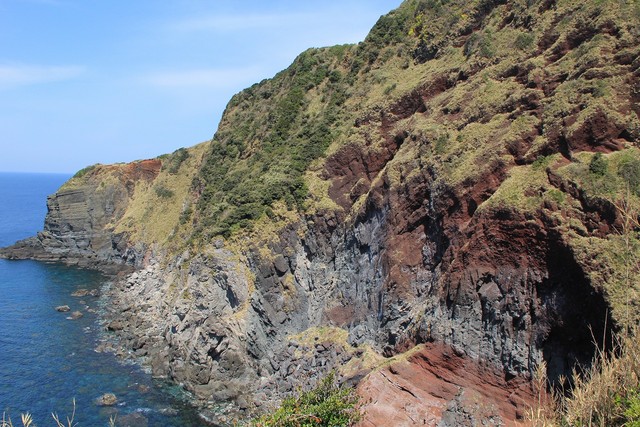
[229, 23]
[15, 75]
[211, 78]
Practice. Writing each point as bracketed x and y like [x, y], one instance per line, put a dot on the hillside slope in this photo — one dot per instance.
[458, 193]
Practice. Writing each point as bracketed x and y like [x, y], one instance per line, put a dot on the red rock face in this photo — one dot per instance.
[435, 383]
[130, 173]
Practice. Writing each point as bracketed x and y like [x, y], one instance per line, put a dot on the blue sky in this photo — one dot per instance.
[105, 81]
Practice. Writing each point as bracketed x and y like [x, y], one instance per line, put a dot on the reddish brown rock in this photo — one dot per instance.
[428, 386]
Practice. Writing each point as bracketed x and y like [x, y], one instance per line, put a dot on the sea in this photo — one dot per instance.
[48, 362]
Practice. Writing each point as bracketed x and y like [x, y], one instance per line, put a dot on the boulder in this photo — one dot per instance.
[135, 419]
[75, 315]
[107, 399]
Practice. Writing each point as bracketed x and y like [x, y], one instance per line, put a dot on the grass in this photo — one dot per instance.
[26, 420]
[526, 187]
[606, 394]
[161, 212]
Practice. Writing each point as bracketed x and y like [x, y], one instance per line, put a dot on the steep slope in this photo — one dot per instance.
[425, 200]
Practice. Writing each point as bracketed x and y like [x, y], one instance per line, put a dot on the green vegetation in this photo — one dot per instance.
[598, 165]
[172, 162]
[629, 171]
[163, 192]
[327, 405]
[260, 157]
[524, 41]
[82, 172]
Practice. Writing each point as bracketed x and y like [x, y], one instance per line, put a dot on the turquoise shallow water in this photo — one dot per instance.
[47, 360]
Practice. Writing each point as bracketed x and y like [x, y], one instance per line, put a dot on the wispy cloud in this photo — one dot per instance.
[212, 78]
[15, 75]
[229, 23]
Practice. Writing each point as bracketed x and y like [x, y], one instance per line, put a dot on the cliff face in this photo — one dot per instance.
[77, 226]
[110, 216]
[422, 204]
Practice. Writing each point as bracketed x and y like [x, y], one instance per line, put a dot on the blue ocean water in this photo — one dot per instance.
[47, 360]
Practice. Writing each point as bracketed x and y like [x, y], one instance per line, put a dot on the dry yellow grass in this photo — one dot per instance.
[601, 396]
[152, 218]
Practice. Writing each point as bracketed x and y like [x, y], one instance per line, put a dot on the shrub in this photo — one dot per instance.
[629, 170]
[327, 405]
[524, 41]
[390, 88]
[257, 158]
[480, 44]
[174, 161]
[442, 143]
[598, 165]
[82, 172]
[163, 192]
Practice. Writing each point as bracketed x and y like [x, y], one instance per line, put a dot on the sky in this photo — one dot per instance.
[107, 81]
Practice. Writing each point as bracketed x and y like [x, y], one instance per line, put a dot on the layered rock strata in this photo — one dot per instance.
[80, 222]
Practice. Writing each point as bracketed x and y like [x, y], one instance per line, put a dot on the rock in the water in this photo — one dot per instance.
[135, 419]
[75, 315]
[107, 399]
[143, 388]
[80, 293]
[63, 308]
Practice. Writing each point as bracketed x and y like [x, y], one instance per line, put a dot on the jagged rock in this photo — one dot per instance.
[85, 292]
[116, 325]
[63, 308]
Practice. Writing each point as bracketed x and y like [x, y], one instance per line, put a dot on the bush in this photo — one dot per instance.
[261, 153]
[163, 192]
[327, 405]
[598, 165]
[480, 44]
[524, 41]
[629, 170]
[174, 161]
[82, 172]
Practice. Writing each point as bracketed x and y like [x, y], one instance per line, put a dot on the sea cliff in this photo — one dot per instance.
[422, 212]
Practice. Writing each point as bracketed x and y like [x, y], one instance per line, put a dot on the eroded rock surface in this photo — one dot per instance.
[450, 241]
[79, 226]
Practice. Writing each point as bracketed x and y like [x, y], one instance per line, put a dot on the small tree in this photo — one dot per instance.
[629, 170]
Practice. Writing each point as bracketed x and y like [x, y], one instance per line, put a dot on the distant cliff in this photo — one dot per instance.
[432, 212]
